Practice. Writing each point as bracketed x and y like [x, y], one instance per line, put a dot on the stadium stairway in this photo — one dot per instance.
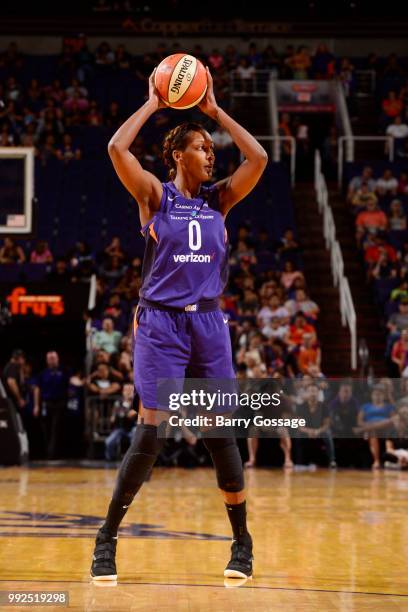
[369, 325]
[334, 338]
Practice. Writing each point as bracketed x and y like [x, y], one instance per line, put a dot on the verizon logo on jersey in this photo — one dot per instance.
[193, 258]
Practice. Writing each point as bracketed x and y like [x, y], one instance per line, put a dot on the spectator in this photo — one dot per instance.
[362, 197]
[396, 455]
[384, 268]
[399, 353]
[113, 117]
[215, 60]
[309, 355]
[275, 329]
[60, 273]
[287, 244]
[372, 220]
[392, 107]
[396, 323]
[403, 183]
[48, 151]
[94, 116]
[51, 394]
[401, 291]
[41, 254]
[317, 418]
[356, 182]
[107, 339]
[221, 138]
[378, 247]
[373, 417]
[273, 310]
[102, 383]
[104, 57]
[346, 78]
[398, 130]
[13, 379]
[343, 410]
[67, 152]
[245, 74]
[123, 422]
[300, 64]
[289, 275]
[397, 217]
[114, 249]
[387, 184]
[302, 303]
[298, 330]
[122, 58]
[323, 62]
[11, 253]
[55, 92]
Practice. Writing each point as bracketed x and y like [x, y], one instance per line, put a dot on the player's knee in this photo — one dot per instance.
[227, 462]
[137, 463]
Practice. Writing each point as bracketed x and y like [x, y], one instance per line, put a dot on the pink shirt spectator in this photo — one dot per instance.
[41, 258]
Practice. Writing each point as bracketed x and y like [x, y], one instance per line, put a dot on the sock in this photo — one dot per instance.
[237, 517]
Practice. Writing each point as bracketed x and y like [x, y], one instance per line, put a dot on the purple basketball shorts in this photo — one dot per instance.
[167, 344]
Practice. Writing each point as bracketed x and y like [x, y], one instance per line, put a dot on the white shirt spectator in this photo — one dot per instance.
[246, 72]
[221, 138]
[398, 131]
[275, 332]
[387, 185]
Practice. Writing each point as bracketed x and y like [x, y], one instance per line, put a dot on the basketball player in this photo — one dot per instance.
[178, 322]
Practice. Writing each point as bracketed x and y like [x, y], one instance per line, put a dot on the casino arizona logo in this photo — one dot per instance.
[39, 305]
[180, 77]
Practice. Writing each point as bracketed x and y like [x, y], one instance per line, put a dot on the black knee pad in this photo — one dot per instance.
[137, 463]
[227, 462]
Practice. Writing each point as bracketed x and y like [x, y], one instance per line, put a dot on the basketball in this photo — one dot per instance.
[181, 81]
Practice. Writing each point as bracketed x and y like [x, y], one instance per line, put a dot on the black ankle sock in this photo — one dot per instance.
[237, 517]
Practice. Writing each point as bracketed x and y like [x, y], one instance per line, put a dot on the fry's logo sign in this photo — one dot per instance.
[39, 305]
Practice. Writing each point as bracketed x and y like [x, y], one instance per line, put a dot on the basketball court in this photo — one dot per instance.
[322, 540]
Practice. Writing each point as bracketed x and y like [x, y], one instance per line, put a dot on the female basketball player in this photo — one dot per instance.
[178, 323]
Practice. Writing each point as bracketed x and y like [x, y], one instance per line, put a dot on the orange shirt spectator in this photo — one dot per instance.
[372, 219]
[299, 329]
[392, 106]
[308, 356]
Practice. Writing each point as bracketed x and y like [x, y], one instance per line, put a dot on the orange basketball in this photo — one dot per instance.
[181, 80]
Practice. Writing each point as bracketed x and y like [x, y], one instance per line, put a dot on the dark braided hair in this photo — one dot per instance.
[177, 140]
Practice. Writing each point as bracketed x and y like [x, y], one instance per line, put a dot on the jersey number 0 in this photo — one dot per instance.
[194, 235]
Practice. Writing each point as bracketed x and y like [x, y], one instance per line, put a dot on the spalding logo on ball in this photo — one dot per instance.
[181, 81]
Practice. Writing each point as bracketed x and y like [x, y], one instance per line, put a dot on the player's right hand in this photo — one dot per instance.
[154, 97]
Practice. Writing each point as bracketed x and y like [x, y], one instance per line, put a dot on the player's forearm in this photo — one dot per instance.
[246, 143]
[125, 135]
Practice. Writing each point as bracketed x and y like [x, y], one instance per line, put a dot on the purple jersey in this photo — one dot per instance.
[186, 256]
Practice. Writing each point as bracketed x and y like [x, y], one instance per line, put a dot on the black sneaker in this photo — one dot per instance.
[240, 565]
[103, 562]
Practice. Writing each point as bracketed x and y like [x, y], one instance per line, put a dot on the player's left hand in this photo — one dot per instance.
[209, 105]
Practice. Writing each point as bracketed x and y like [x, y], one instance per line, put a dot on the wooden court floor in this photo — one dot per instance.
[323, 541]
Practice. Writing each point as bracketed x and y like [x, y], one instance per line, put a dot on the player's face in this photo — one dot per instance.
[198, 156]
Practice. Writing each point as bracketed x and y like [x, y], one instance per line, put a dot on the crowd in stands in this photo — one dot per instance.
[273, 324]
[380, 207]
[41, 111]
